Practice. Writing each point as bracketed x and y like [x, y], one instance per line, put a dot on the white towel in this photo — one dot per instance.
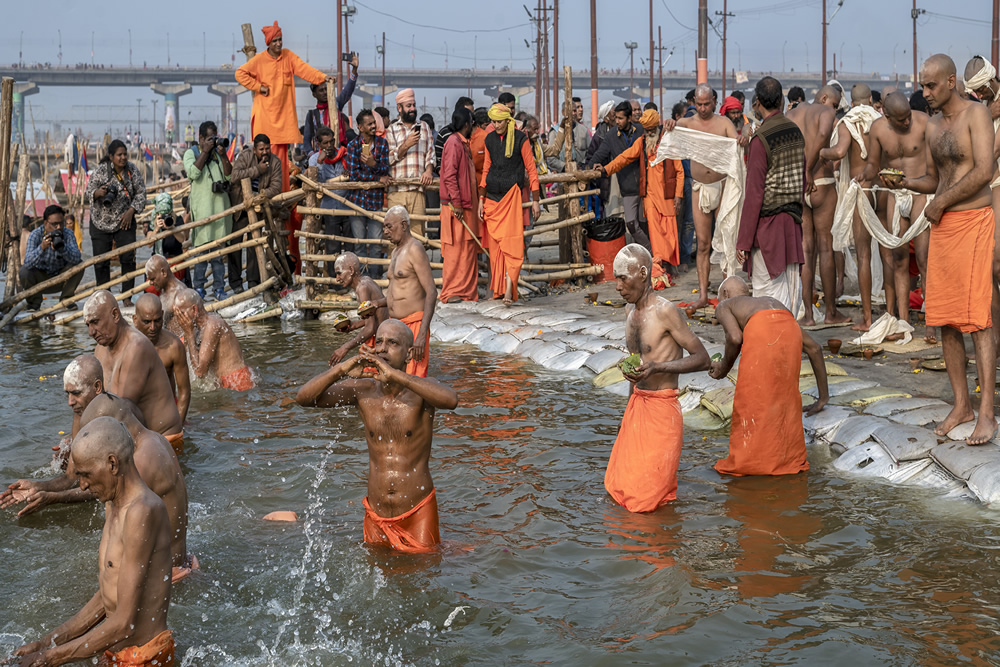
[884, 326]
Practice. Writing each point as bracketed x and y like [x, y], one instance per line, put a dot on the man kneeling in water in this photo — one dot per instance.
[398, 412]
[215, 348]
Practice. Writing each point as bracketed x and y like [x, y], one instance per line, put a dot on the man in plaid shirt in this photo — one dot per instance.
[367, 159]
[51, 250]
[411, 154]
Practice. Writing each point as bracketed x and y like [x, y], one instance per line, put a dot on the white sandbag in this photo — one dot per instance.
[603, 360]
[500, 343]
[454, 334]
[854, 431]
[985, 483]
[906, 443]
[892, 406]
[479, 336]
[828, 420]
[923, 416]
[961, 459]
[546, 351]
[567, 361]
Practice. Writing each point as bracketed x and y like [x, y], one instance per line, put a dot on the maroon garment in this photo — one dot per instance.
[779, 237]
[458, 184]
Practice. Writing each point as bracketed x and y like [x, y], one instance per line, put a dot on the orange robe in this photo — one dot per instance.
[412, 532]
[766, 436]
[239, 380]
[658, 207]
[158, 651]
[274, 114]
[959, 271]
[477, 144]
[459, 250]
[413, 367]
[176, 441]
[642, 470]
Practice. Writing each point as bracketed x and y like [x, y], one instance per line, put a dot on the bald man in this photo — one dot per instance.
[125, 623]
[766, 436]
[707, 183]
[816, 121]
[159, 275]
[148, 319]
[211, 343]
[347, 268]
[960, 166]
[411, 295]
[397, 409]
[642, 471]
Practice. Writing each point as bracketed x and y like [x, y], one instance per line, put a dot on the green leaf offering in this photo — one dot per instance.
[717, 356]
[630, 364]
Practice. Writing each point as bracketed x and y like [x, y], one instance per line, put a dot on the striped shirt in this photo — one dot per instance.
[415, 160]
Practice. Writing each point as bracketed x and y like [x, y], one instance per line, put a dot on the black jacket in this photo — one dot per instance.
[613, 145]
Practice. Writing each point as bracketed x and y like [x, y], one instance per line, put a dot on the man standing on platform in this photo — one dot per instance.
[459, 222]
[208, 168]
[411, 155]
[263, 168]
[367, 159]
[411, 293]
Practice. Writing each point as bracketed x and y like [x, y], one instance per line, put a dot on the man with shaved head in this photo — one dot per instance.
[960, 166]
[211, 343]
[766, 436]
[348, 274]
[125, 623]
[642, 470]
[397, 409]
[159, 275]
[148, 319]
[816, 120]
[411, 295]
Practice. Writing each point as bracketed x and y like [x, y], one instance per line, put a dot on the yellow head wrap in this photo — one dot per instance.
[501, 112]
[650, 119]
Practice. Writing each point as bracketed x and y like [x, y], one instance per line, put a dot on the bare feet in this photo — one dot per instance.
[895, 336]
[807, 321]
[986, 428]
[700, 303]
[954, 418]
[836, 317]
[507, 296]
[929, 336]
[862, 326]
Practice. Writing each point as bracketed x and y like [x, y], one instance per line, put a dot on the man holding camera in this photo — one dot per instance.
[51, 250]
[263, 168]
[208, 169]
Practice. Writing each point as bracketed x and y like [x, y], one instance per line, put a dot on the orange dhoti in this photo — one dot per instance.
[413, 532]
[240, 380]
[176, 441]
[959, 271]
[460, 275]
[158, 652]
[642, 471]
[766, 436]
[414, 367]
[504, 223]
[662, 228]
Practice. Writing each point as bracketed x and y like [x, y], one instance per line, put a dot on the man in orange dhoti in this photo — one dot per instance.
[397, 409]
[508, 157]
[766, 436]
[411, 294]
[459, 222]
[661, 188]
[642, 470]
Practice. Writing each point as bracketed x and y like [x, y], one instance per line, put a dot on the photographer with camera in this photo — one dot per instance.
[51, 250]
[163, 220]
[263, 168]
[116, 191]
[208, 170]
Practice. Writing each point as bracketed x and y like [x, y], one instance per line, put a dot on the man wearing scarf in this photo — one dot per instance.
[508, 157]
[329, 163]
[459, 223]
[320, 116]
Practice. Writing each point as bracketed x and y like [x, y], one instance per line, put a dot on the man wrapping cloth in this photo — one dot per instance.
[508, 157]
[661, 188]
[766, 436]
[459, 223]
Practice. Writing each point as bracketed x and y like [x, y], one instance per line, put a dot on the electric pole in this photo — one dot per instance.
[631, 46]
[996, 31]
[651, 61]
[702, 41]
[914, 14]
[555, 62]
[593, 63]
[725, 20]
[659, 52]
[823, 72]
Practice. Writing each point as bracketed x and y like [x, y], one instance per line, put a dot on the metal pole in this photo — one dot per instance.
[702, 41]
[631, 73]
[651, 61]
[347, 47]
[538, 60]
[383, 69]
[823, 73]
[996, 32]
[340, 45]
[659, 50]
[555, 62]
[914, 15]
[593, 63]
[725, 24]
[545, 63]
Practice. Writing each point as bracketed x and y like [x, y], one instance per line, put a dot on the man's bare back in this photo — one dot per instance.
[816, 122]
[219, 350]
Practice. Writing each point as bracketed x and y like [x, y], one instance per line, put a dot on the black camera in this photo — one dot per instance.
[347, 57]
[218, 187]
[168, 221]
[221, 142]
[107, 200]
[58, 242]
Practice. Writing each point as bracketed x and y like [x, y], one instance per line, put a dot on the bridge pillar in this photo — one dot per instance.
[171, 107]
[21, 90]
[229, 116]
[373, 93]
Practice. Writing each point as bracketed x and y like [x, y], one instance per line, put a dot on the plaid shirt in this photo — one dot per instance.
[50, 261]
[357, 170]
[416, 160]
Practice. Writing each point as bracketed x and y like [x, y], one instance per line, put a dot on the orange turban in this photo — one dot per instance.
[270, 32]
[649, 119]
[405, 95]
[729, 104]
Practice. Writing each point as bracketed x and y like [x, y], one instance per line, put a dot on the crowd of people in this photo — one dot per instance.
[796, 185]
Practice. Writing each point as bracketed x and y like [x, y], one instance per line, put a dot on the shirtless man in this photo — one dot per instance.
[132, 368]
[128, 614]
[855, 155]
[816, 121]
[211, 343]
[707, 183]
[397, 409]
[642, 471]
[159, 275]
[411, 295]
[897, 141]
[960, 166]
[348, 274]
[148, 319]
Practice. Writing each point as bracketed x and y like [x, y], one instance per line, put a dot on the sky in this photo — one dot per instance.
[866, 36]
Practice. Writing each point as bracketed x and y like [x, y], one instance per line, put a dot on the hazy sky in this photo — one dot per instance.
[866, 35]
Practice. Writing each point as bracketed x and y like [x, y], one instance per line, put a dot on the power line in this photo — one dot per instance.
[959, 19]
[449, 55]
[437, 27]
[674, 17]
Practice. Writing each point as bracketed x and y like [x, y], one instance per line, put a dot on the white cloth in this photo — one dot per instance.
[982, 77]
[826, 180]
[856, 199]
[709, 195]
[720, 154]
[858, 121]
[996, 128]
[884, 327]
[786, 287]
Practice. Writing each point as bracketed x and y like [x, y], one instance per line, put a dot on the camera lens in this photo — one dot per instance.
[168, 221]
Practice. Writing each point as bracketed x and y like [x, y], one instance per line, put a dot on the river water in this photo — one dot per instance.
[811, 569]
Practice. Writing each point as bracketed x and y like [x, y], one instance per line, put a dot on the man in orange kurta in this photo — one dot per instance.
[459, 222]
[661, 188]
[508, 158]
[766, 436]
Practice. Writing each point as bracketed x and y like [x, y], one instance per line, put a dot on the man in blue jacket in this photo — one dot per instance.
[51, 250]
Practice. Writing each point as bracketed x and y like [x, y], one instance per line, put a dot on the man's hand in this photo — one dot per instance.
[742, 140]
[427, 176]
[933, 211]
[127, 217]
[458, 213]
[741, 256]
[185, 320]
[369, 160]
[46, 242]
[810, 184]
[715, 372]
[385, 180]
[678, 207]
[264, 90]
[536, 211]
[372, 360]
[641, 373]
[600, 168]
[354, 63]
[35, 500]
[338, 355]
[411, 140]
[263, 166]
[481, 205]
[669, 125]
[810, 410]
[418, 347]
[17, 493]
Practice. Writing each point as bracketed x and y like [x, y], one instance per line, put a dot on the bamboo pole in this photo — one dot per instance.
[266, 315]
[181, 184]
[326, 280]
[580, 219]
[311, 222]
[344, 239]
[14, 252]
[252, 226]
[364, 260]
[331, 104]
[242, 296]
[565, 275]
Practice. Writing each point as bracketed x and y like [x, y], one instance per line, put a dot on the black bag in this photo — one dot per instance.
[605, 229]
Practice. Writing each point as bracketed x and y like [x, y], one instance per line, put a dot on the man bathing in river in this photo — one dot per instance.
[159, 275]
[766, 436]
[397, 409]
[132, 368]
[211, 343]
[125, 623]
[148, 319]
[959, 263]
[642, 471]
[348, 274]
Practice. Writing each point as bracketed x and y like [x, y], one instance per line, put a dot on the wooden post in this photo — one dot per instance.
[575, 233]
[249, 49]
[311, 223]
[255, 232]
[331, 105]
[15, 216]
